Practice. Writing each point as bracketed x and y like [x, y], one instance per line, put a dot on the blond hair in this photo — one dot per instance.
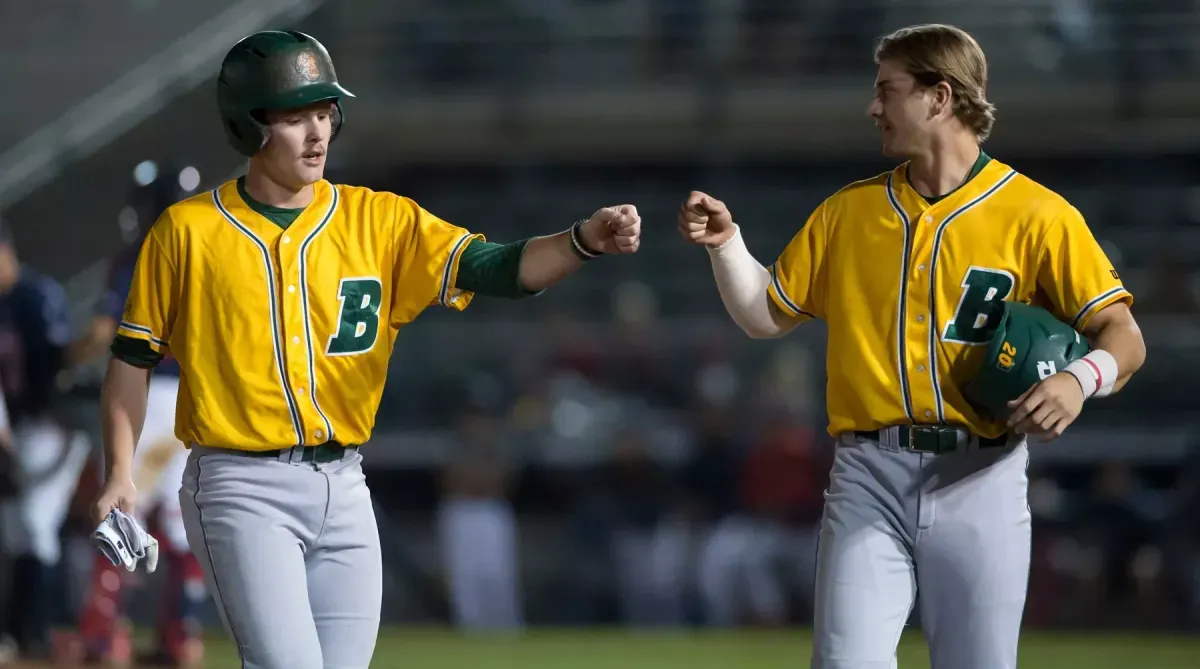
[935, 52]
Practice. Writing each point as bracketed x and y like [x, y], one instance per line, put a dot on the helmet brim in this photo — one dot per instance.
[306, 95]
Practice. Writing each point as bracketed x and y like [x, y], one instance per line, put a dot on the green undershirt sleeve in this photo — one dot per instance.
[492, 269]
[136, 352]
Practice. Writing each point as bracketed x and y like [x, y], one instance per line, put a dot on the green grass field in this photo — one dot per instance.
[418, 649]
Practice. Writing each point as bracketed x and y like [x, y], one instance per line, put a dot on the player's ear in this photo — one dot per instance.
[943, 98]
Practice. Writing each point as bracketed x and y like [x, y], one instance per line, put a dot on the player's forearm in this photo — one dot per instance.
[546, 261]
[1123, 340]
[1119, 351]
[742, 282]
[123, 414]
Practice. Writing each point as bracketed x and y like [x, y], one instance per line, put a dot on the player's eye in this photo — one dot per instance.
[293, 120]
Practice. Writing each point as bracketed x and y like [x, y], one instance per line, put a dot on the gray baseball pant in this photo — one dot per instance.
[290, 552]
[954, 528]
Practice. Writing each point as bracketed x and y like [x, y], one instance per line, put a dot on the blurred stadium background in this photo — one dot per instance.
[651, 466]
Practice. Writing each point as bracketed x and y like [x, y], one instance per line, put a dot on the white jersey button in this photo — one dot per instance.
[319, 434]
[286, 239]
[929, 219]
[921, 267]
[928, 414]
[295, 340]
[291, 289]
[920, 368]
[920, 319]
[300, 391]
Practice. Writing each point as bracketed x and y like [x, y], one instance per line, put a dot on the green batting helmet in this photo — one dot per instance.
[1027, 345]
[273, 70]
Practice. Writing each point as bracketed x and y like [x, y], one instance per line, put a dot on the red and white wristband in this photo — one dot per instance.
[1096, 373]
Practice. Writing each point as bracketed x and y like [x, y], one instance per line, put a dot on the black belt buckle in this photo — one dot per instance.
[330, 451]
[933, 439]
[327, 452]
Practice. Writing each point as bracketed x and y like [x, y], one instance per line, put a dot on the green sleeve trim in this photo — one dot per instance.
[492, 269]
[136, 352]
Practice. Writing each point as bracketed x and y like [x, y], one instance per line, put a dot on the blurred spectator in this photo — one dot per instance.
[1052, 564]
[478, 531]
[757, 558]
[789, 384]
[1117, 523]
[711, 487]
[650, 541]
[1184, 538]
[569, 347]
[637, 362]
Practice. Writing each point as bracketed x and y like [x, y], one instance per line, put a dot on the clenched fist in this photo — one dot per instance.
[613, 230]
[705, 220]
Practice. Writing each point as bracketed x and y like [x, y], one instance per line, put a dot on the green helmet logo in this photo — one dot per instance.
[273, 70]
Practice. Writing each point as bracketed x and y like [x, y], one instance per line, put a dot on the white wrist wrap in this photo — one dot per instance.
[742, 282]
[1096, 372]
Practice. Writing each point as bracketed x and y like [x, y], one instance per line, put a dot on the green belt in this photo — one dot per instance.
[933, 438]
[330, 451]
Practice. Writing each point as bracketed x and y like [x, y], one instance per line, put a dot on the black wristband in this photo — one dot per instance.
[578, 246]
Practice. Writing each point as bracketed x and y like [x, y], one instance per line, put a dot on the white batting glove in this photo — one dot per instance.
[123, 541]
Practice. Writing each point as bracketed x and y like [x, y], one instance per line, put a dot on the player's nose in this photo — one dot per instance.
[318, 132]
[874, 109]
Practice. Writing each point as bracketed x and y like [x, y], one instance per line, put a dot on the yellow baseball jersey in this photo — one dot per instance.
[905, 288]
[283, 337]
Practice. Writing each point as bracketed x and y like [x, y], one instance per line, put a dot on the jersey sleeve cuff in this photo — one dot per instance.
[135, 331]
[781, 298]
[136, 352]
[449, 295]
[1110, 296]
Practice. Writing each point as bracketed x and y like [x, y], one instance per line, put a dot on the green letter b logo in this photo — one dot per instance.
[983, 289]
[358, 326]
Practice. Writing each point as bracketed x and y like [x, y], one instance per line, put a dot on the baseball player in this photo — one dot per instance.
[158, 465]
[34, 333]
[928, 494]
[280, 295]
[477, 530]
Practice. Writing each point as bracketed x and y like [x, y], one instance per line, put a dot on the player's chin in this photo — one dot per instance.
[310, 171]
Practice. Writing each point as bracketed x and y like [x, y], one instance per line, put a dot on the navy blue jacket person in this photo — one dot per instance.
[34, 335]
